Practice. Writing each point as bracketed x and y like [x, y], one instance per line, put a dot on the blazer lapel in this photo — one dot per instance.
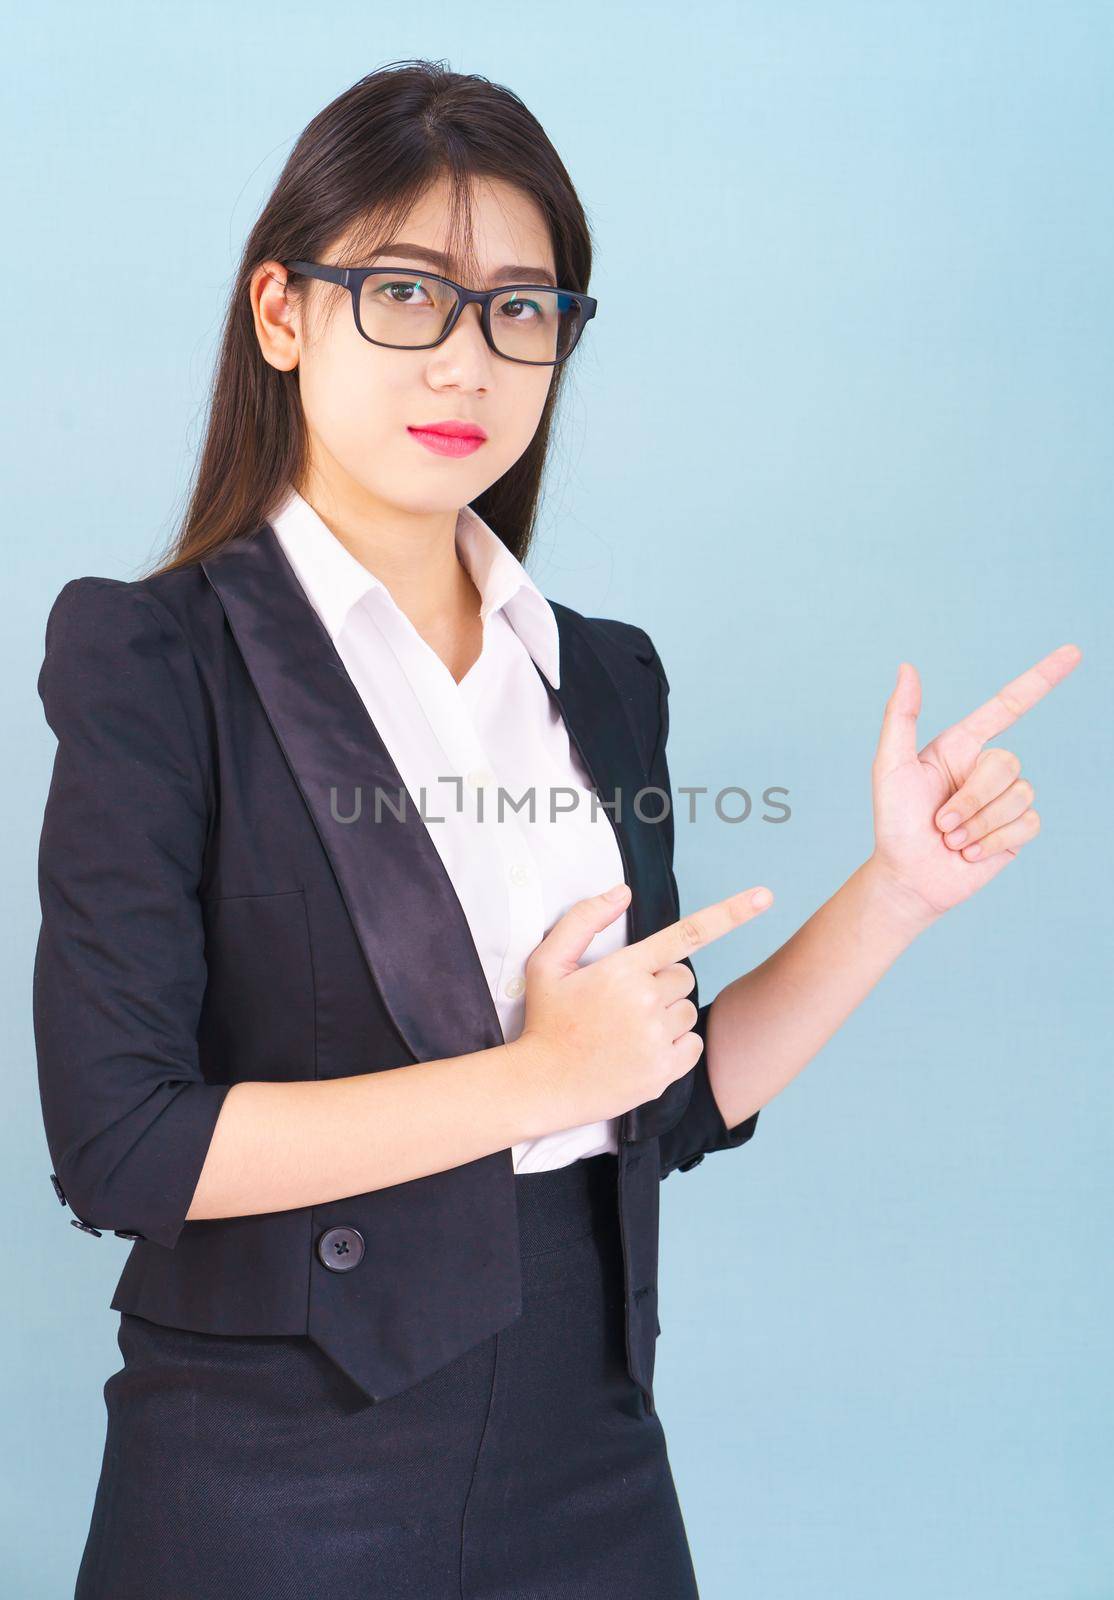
[405, 912]
[598, 722]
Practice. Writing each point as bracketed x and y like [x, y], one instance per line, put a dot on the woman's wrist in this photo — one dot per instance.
[526, 1083]
[899, 908]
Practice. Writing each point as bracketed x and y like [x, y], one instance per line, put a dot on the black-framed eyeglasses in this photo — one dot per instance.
[404, 309]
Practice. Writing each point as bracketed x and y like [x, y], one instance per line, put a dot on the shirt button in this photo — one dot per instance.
[515, 987]
[520, 873]
[477, 777]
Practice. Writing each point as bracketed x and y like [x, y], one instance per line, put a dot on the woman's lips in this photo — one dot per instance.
[445, 444]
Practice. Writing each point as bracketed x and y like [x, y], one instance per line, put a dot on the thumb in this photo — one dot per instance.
[897, 742]
[570, 935]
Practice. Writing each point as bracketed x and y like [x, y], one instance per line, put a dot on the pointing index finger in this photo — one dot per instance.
[699, 928]
[998, 713]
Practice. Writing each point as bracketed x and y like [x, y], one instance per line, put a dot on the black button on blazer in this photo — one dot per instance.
[209, 917]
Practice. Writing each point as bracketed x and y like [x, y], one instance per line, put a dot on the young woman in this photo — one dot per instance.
[356, 1011]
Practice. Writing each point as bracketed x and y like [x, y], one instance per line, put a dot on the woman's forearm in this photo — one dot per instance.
[766, 1025]
[282, 1145]
[278, 1146]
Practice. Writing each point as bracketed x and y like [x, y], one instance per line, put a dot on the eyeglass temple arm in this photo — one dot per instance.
[314, 269]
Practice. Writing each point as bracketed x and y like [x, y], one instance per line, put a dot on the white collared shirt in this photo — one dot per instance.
[515, 872]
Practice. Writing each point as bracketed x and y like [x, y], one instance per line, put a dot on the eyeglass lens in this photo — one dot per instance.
[408, 310]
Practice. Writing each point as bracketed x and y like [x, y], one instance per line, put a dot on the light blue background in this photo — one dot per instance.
[882, 431]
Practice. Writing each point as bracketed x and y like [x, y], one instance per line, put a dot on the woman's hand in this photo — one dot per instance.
[949, 818]
[618, 1031]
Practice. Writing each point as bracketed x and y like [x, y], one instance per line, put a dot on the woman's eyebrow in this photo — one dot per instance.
[514, 271]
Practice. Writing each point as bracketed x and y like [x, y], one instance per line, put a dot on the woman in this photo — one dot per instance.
[379, 1072]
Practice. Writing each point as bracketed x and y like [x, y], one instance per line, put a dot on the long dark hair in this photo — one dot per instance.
[356, 171]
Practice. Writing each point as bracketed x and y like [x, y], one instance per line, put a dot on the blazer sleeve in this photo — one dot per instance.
[701, 1128]
[120, 970]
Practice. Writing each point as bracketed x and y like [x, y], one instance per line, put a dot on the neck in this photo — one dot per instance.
[412, 553]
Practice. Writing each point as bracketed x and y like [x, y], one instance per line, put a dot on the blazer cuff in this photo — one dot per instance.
[701, 1129]
[704, 1110]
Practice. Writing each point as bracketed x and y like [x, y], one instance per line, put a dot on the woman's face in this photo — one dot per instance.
[360, 398]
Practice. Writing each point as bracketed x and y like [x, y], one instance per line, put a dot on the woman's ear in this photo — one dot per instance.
[276, 326]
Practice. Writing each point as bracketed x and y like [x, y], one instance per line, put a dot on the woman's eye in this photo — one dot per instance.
[513, 309]
[406, 286]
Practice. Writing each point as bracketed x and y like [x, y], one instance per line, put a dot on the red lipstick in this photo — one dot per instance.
[452, 438]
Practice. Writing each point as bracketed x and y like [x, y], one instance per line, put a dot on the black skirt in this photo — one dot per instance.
[525, 1469]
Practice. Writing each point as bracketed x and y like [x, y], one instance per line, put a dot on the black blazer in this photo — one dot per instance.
[209, 917]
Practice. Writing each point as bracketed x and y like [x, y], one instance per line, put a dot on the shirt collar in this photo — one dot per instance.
[335, 581]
